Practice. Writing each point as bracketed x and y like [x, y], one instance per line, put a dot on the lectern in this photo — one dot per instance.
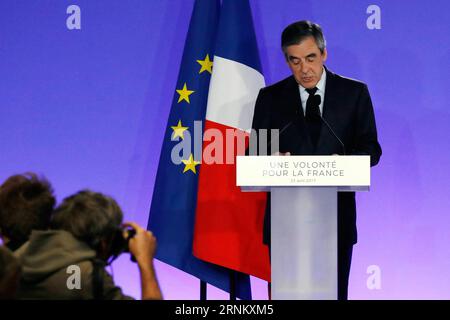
[303, 192]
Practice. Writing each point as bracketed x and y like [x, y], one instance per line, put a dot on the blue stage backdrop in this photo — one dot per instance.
[86, 88]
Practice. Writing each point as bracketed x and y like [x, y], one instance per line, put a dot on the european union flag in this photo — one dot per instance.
[172, 212]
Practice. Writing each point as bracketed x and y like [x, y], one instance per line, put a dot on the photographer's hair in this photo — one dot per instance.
[26, 204]
[298, 31]
[88, 216]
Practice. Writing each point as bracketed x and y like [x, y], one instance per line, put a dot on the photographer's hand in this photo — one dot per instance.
[143, 247]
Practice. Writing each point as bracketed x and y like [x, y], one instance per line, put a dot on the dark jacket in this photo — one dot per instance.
[46, 259]
[348, 110]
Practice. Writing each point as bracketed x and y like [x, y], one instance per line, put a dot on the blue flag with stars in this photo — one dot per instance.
[172, 212]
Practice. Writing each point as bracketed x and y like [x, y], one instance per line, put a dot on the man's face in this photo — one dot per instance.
[306, 62]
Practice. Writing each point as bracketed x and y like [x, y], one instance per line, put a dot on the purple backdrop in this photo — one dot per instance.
[88, 107]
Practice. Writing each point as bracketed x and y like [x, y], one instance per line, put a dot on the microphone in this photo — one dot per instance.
[269, 145]
[285, 127]
[317, 114]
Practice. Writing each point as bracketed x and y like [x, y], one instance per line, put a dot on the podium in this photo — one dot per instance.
[303, 192]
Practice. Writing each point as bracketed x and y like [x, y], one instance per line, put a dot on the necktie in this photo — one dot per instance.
[312, 115]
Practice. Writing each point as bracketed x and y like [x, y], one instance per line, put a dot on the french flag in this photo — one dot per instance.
[229, 222]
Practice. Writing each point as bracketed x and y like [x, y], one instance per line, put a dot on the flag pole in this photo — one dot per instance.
[203, 291]
[233, 279]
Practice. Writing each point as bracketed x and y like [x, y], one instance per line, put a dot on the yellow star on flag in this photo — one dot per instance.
[178, 130]
[184, 94]
[206, 64]
[190, 164]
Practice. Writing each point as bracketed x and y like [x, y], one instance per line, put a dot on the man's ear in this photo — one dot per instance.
[324, 55]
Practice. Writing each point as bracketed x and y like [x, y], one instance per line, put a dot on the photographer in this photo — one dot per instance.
[26, 204]
[68, 261]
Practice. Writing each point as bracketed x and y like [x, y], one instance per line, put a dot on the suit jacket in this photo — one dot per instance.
[348, 110]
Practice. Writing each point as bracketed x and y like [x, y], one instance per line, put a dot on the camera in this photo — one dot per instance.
[120, 240]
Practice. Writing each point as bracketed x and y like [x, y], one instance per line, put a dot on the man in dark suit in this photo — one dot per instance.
[319, 112]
